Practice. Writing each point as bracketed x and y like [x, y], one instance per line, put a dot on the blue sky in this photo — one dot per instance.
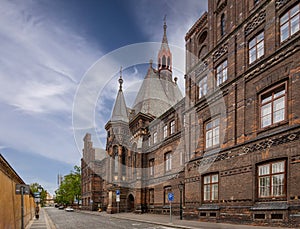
[46, 49]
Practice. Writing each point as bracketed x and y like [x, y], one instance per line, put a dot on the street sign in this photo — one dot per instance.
[37, 194]
[170, 196]
[118, 195]
[24, 187]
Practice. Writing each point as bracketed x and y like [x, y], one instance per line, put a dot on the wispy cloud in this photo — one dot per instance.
[42, 63]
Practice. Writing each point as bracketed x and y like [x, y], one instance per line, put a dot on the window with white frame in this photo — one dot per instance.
[181, 158]
[256, 47]
[168, 161]
[202, 87]
[211, 187]
[273, 106]
[172, 127]
[271, 179]
[165, 131]
[151, 167]
[222, 73]
[154, 137]
[212, 133]
[290, 23]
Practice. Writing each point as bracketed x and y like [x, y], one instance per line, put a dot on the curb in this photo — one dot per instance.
[157, 223]
[49, 222]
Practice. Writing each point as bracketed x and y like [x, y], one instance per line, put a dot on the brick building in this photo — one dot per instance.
[232, 143]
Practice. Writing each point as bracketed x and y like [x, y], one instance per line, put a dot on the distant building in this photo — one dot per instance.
[232, 142]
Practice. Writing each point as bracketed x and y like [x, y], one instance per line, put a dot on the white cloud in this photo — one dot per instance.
[42, 63]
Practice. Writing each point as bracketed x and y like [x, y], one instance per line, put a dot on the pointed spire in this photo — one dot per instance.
[119, 112]
[164, 59]
[165, 39]
[120, 80]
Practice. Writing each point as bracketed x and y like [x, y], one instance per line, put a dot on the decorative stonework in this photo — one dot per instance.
[220, 52]
[262, 145]
[236, 171]
[201, 68]
[259, 19]
[220, 7]
[280, 3]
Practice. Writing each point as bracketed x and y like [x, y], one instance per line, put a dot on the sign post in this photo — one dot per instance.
[118, 200]
[171, 199]
[22, 189]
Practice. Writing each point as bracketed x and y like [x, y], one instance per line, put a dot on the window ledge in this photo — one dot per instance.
[271, 127]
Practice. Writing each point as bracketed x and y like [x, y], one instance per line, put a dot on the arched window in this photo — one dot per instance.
[169, 62]
[222, 24]
[159, 62]
[163, 61]
[116, 158]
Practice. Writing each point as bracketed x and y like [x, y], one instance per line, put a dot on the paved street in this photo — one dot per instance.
[78, 220]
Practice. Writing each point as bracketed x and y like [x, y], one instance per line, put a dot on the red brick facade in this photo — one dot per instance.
[233, 141]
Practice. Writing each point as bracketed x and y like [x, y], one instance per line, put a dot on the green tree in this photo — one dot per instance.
[34, 188]
[70, 188]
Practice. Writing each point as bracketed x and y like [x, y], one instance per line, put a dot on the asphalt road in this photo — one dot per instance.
[68, 220]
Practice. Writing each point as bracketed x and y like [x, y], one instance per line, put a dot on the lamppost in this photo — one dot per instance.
[40, 189]
[180, 186]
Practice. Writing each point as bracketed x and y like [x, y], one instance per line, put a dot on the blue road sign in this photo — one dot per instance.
[170, 196]
[117, 192]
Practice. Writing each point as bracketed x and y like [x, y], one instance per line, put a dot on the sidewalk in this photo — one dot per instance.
[44, 222]
[164, 220]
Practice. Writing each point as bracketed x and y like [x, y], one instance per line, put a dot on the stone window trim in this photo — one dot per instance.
[271, 97]
[151, 196]
[155, 139]
[165, 131]
[288, 19]
[212, 133]
[221, 72]
[172, 127]
[256, 47]
[151, 167]
[202, 87]
[210, 186]
[269, 171]
[168, 161]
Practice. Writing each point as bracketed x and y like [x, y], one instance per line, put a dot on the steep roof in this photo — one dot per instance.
[120, 110]
[156, 95]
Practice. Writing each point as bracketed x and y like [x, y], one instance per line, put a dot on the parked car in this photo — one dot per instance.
[69, 209]
[61, 207]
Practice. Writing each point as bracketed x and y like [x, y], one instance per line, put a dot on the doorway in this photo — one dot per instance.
[130, 203]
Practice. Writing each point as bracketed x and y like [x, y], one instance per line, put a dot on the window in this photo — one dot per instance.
[256, 47]
[256, 2]
[155, 138]
[211, 187]
[151, 167]
[168, 161]
[212, 134]
[181, 158]
[222, 24]
[172, 127]
[167, 190]
[273, 106]
[165, 131]
[222, 73]
[290, 23]
[184, 120]
[202, 87]
[271, 179]
[151, 196]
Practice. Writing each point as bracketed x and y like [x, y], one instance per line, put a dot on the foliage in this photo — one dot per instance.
[70, 188]
[34, 188]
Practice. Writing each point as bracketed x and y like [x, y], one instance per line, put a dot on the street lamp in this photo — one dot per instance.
[180, 186]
